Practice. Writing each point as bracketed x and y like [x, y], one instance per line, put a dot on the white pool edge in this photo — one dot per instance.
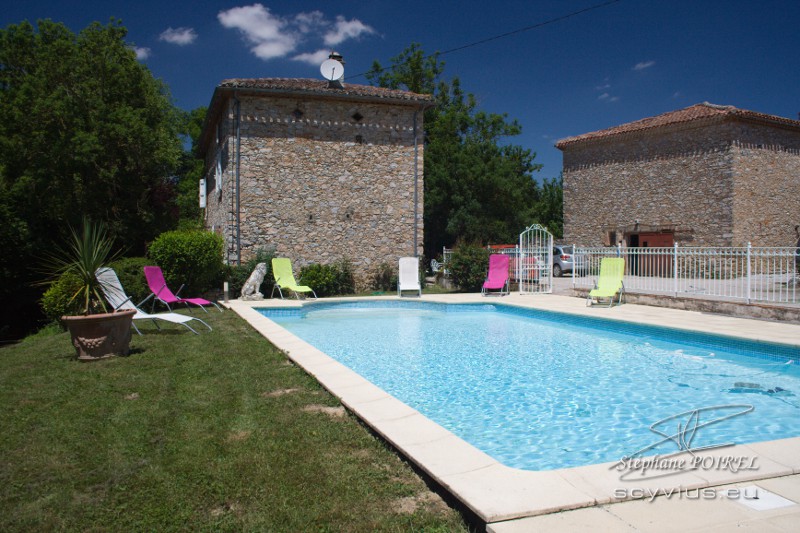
[495, 492]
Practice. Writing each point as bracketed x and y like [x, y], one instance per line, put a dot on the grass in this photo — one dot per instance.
[211, 432]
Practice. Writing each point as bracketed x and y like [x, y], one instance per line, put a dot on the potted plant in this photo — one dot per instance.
[97, 332]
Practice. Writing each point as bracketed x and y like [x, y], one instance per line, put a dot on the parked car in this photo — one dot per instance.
[564, 260]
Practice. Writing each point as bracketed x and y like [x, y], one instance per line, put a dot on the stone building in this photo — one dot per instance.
[705, 175]
[318, 170]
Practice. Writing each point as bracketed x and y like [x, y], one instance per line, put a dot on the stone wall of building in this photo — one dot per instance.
[766, 203]
[220, 185]
[679, 180]
[324, 180]
[711, 183]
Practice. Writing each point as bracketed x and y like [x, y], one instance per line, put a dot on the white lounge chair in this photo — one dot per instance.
[115, 295]
[408, 276]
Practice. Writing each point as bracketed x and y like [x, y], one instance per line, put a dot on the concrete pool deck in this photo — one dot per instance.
[591, 497]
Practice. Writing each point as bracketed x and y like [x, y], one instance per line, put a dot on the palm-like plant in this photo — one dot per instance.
[86, 251]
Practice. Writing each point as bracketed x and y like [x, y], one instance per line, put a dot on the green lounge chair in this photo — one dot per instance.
[284, 279]
[612, 270]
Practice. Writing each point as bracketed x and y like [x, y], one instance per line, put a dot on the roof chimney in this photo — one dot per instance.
[336, 56]
[337, 83]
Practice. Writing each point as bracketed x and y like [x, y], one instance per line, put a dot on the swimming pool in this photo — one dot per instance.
[538, 390]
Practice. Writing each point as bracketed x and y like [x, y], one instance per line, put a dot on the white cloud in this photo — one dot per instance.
[605, 97]
[313, 58]
[268, 33]
[142, 53]
[273, 36]
[346, 29]
[309, 22]
[643, 65]
[603, 87]
[179, 36]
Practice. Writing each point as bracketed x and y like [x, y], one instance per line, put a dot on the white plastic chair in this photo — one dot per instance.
[408, 276]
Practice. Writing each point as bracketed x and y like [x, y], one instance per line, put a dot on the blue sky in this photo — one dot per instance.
[619, 63]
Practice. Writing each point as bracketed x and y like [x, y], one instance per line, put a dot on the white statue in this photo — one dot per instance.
[250, 289]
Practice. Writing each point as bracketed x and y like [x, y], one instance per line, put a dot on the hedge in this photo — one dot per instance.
[468, 266]
[189, 258]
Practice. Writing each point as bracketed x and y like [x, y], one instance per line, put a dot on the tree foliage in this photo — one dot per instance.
[550, 207]
[468, 266]
[478, 187]
[190, 171]
[191, 258]
[85, 130]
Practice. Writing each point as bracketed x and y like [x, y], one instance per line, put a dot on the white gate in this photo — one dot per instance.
[535, 260]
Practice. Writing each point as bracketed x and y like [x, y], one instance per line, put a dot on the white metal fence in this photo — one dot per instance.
[747, 273]
[530, 269]
[535, 260]
[511, 251]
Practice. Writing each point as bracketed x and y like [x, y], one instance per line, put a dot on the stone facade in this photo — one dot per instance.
[704, 176]
[323, 174]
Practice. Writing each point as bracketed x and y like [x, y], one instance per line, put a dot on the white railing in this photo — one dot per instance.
[513, 258]
[535, 261]
[511, 251]
[762, 274]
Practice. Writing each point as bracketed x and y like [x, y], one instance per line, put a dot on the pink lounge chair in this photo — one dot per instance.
[497, 279]
[155, 280]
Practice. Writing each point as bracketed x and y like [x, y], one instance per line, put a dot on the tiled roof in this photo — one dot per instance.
[322, 87]
[704, 111]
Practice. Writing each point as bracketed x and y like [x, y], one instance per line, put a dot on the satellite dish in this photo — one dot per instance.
[332, 70]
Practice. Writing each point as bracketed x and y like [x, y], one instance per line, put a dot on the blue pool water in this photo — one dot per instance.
[539, 390]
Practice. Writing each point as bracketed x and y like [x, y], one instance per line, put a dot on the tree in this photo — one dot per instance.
[190, 171]
[85, 130]
[550, 207]
[477, 187]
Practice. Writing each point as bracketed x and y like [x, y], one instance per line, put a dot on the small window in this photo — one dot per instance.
[218, 175]
[220, 132]
[224, 157]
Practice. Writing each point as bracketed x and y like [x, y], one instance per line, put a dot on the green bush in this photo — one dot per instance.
[237, 275]
[130, 271]
[345, 281]
[468, 266]
[56, 300]
[190, 258]
[321, 278]
[383, 278]
[329, 280]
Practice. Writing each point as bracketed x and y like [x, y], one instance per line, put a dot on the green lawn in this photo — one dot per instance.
[211, 432]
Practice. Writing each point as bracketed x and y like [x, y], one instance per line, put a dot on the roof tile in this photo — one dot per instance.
[322, 87]
[688, 114]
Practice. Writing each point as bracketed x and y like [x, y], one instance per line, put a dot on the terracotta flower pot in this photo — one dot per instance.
[100, 336]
